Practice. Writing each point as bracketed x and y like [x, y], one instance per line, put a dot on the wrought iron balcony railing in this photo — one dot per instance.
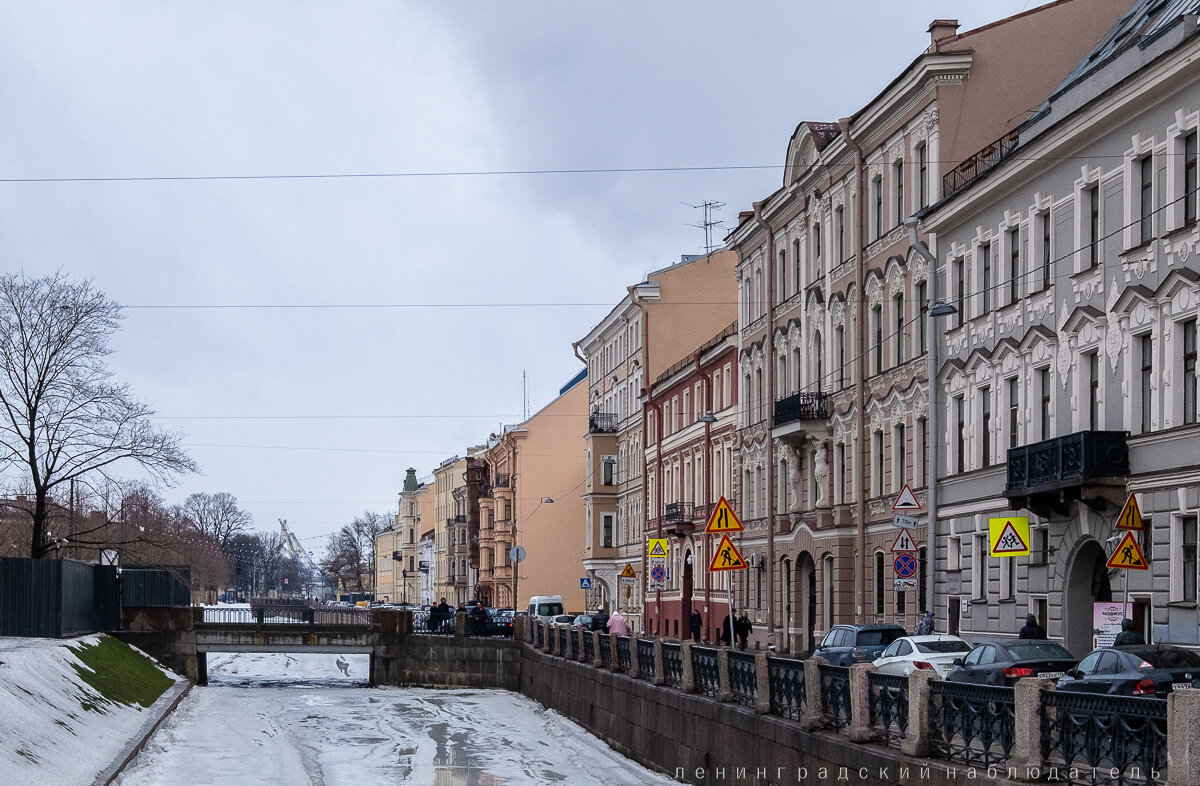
[677, 512]
[502, 481]
[801, 406]
[1067, 461]
[602, 423]
[975, 166]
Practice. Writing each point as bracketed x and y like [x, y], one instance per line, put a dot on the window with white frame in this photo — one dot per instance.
[980, 566]
[1187, 344]
[898, 320]
[1045, 393]
[922, 175]
[1144, 345]
[899, 457]
[1046, 257]
[877, 206]
[985, 278]
[877, 463]
[985, 425]
[1090, 226]
[1008, 577]
[1183, 558]
[1013, 385]
[958, 269]
[1145, 212]
[1014, 265]
[1188, 177]
[877, 333]
[898, 195]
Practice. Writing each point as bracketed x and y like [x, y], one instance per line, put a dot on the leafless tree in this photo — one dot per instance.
[350, 553]
[217, 515]
[62, 416]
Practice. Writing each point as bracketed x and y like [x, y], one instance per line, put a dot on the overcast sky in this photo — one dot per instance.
[313, 337]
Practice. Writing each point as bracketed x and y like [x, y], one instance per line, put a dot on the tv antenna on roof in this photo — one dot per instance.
[708, 223]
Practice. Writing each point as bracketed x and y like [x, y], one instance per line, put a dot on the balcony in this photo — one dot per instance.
[602, 423]
[1089, 466]
[502, 481]
[801, 406]
[979, 164]
[461, 518]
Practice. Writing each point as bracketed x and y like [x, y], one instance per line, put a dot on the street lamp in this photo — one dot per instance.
[404, 578]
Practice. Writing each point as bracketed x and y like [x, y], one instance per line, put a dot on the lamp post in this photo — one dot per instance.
[404, 578]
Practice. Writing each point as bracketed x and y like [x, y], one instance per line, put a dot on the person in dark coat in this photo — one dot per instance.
[696, 623]
[1032, 630]
[479, 619]
[728, 628]
[744, 629]
[1128, 634]
[925, 626]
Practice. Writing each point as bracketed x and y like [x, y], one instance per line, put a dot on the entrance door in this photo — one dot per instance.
[806, 581]
[685, 605]
[1087, 583]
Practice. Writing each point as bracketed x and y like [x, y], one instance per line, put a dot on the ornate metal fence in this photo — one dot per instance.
[432, 622]
[645, 659]
[561, 648]
[743, 678]
[1105, 739]
[786, 678]
[589, 646]
[623, 654]
[672, 661]
[705, 672]
[539, 635]
[605, 649]
[971, 724]
[835, 694]
[889, 706]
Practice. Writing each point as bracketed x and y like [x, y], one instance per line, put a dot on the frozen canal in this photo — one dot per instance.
[298, 720]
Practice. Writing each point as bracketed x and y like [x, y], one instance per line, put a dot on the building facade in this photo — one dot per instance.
[1070, 378]
[832, 352]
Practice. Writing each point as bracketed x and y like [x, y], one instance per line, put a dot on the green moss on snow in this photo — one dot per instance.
[119, 673]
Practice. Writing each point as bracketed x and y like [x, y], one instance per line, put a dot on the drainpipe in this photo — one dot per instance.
[644, 310]
[860, 474]
[931, 468]
[768, 389]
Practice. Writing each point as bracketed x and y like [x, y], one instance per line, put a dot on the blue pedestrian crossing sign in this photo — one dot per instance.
[585, 583]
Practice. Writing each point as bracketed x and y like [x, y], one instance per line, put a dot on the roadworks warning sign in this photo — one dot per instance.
[1128, 555]
[727, 557]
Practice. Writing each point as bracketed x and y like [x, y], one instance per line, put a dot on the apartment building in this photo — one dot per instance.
[1070, 378]
[831, 299]
[659, 321]
[452, 574]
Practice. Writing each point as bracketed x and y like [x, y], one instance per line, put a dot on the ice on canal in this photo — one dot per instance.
[297, 719]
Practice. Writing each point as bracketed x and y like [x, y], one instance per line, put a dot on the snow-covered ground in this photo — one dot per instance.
[296, 719]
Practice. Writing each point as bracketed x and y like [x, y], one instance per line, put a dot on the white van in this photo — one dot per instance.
[545, 607]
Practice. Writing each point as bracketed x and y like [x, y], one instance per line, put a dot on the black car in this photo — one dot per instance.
[499, 622]
[1003, 663]
[847, 644]
[1135, 670]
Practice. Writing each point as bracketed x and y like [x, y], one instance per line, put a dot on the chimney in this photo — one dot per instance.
[940, 30]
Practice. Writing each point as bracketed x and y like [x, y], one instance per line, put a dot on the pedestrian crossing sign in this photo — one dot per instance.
[727, 557]
[723, 519]
[1128, 555]
[1131, 516]
[658, 547]
[1009, 536]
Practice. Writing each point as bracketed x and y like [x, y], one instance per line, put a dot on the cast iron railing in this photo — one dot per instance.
[645, 659]
[835, 694]
[589, 646]
[1068, 460]
[502, 480]
[786, 678]
[963, 174]
[1096, 736]
[562, 641]
[677, 512]
[539, 635]
[888, 695]
[672, 659]
[743, 678]
[971, 724]
[602, 422]
[801, 406]
[605, 649]
[432, 622]
[704, 671]
[623, 654]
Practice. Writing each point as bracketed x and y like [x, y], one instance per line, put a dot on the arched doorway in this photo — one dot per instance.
[1087, 583]
[806, 601]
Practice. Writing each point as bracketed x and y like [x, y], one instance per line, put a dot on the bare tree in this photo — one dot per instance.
[350, 552]
[62, 417]
[217, 515]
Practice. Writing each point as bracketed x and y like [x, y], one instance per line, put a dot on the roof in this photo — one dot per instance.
[822, 133]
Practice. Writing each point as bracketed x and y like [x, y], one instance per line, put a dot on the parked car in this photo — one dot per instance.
[563, 619]
[1134, 670]
[847, 644]
[910, 653]
[500, 622]
[1003, 663]
[583, 621]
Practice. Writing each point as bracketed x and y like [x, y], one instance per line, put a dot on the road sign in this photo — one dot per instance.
[516, 553]
[1128, 555]
[585, 583]
[1009, 536]
[904, 585]
[658, 547]
[1131, 516]
[905, 565]
[907, 522]
[723, 519]
[907, 500]
[904, 542]
[727, 557]
[658, 575]
[628, 573]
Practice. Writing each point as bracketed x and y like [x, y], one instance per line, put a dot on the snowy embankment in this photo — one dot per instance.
[56, 726]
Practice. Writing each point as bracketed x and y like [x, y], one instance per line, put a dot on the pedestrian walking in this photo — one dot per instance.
[696, 622]
[925, 626]
[744, 629]
[1031, 629]
[1128, 634]
[479, 619]
[727, 627]
[617, 624]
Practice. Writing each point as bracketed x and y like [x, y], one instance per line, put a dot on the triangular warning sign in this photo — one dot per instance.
[628, 572]
[1131, 516]
[903, 542]
[907, 500]
[1128, 555]
[656, 548]
[1009, 542]
[723, 519]
[727, 557]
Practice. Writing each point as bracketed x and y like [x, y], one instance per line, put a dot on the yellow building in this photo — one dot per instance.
[451, 570]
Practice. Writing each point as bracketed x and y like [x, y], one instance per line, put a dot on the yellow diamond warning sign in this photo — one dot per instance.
[1128, 555]
[658, 547]
[723, 519]
[1009, 536]
[1131, 516]
[727, 556]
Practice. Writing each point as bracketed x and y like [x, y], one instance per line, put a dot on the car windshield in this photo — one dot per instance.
[875, 638]
[549, 609]
[1169, 659]
[1040, 650]
[942, 646]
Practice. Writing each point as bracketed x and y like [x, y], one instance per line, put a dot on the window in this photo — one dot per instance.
[1188, 557]
[923, 306]
[796, 265]
[960, 289]
[1014, 265]
[1189, 371]
[1146, 349]
[981, 565]
[922, 175]
[877, 463]
[1045, 389]
[1014, 411]
[985, 265]
[898, 177]
[985, 402]
[1093, 390]
[840, 452]
[960, 434]
[818, 352]
[1092, 257]
[877, 192]
[840, 341]
[877, 330]
[607, 466]
[1046, 249]
[898, 307]
[899, 457]
[607, 530]
[1146, 199]
[816, 250]
[839, 226]
[1189, 178]
[879, 578]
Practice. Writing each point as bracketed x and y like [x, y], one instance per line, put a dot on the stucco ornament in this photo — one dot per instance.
[1185, 250]
[794, 480]
[821, 470]
[1064, 363]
